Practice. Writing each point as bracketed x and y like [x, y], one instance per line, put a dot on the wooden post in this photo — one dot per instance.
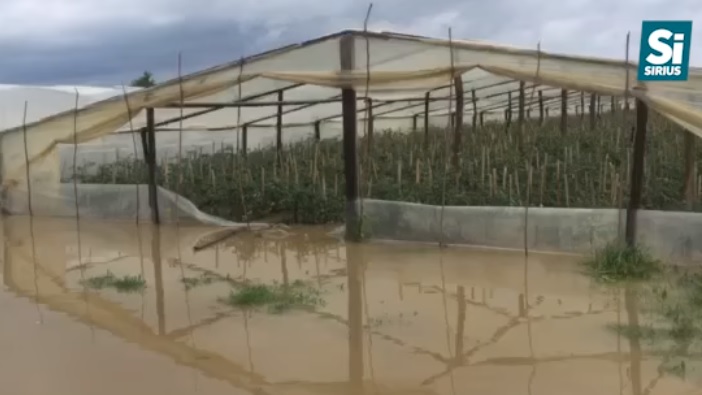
[349, 120]
[426, 119]
[474, 100]
[458, 124]
[244, 139]
[317, 131]
[599, 105]
[564, 111]
[414, 122]
[541, 107]
[547, 115]
[582, 105]
[279, 128]
[690, 176]
[150, 155]
[508, 111]
[637, 172]
[521, 105]
[369, 125]
[593, 110]
[482, 118]
[613, 104]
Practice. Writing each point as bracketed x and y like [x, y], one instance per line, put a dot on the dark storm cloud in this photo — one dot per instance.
[120, 55]
[114, 43]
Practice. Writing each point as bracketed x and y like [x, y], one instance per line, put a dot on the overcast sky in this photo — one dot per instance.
[113, 41]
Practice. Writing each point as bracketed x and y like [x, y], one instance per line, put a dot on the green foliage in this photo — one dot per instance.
[673, 328]
[618, 262]
[581, 168]
[278, 297]
[125, 284]
[145, 81]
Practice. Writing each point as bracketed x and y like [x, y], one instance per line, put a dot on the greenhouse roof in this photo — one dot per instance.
[395, 71]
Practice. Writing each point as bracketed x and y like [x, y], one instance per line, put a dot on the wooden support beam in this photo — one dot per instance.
[637, 172]
[564, 111]
[279, 128]
[254, 104]
[458, 124]
[474, 101]
[582, 105]
[690, 174]
[244, 140]
[593, 111]
[482, 118]
[426, 119]
[369, 125]
[414, 122]
[317, 131]
[520, 116]
[613, 102]
[220, 106]
[541, 107]
[508, 112]
[150, 155]
[349, 121]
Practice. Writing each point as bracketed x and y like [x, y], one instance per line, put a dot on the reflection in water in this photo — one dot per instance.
[158, 277]
[397, 319]
[354, 268]
[632, 313]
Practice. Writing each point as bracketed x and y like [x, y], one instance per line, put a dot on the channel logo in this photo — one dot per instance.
[665, 50]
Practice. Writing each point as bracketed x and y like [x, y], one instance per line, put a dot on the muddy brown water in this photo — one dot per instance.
[397, 319]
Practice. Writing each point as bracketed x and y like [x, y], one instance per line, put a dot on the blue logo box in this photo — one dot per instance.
[664, 54]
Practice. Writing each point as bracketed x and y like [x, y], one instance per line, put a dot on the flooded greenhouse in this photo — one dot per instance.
[363, 213]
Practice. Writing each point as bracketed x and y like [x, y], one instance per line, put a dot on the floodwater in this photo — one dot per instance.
[397, 319]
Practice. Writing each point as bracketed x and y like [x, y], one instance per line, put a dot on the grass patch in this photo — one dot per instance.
[619, 262]
[277, 297]
[124, 284]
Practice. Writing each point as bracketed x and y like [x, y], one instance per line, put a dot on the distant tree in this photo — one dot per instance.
[145, 81]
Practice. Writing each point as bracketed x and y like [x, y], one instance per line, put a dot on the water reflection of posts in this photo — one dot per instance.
[284, 264]
[158, 278]
[632, 312]
[354, 270]
[461, 298]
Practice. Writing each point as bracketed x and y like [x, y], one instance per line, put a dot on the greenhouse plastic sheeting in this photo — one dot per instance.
[669, 235]
[399, 66]
[116, 202]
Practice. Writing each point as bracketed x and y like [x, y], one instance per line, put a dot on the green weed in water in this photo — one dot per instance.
[277, 297]
[125, 284]
[619, 262]
[673, 330]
